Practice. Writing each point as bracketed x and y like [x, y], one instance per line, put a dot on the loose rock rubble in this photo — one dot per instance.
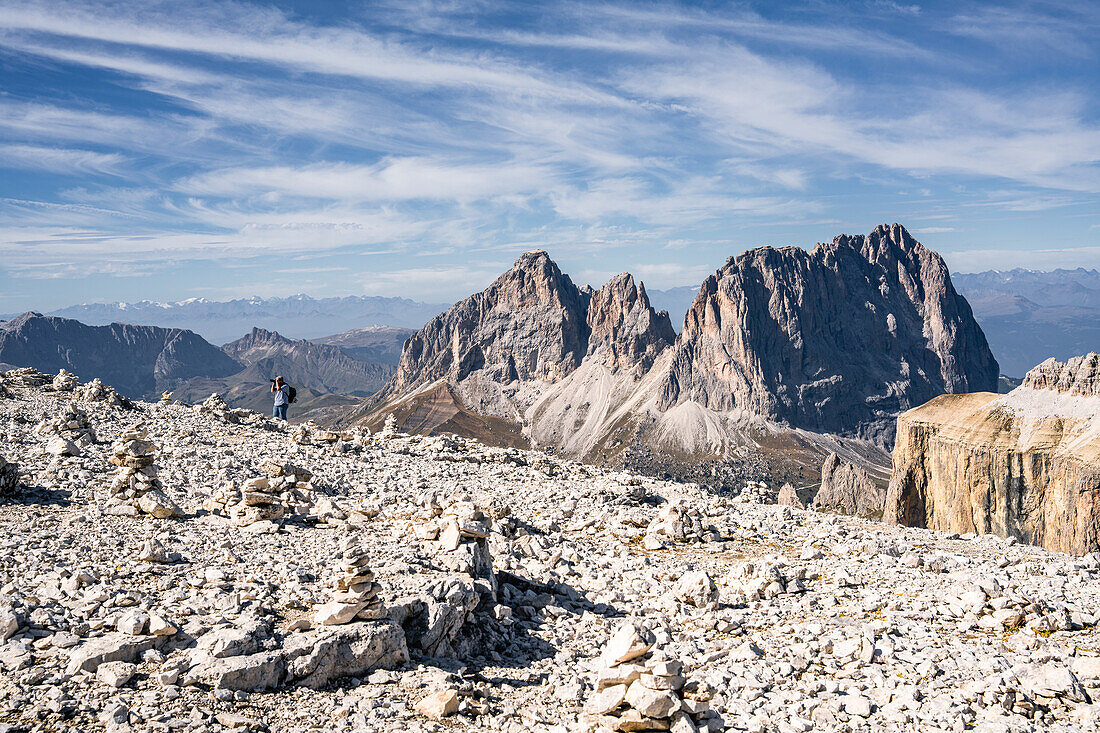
[496, 584]
[676, 522]
[9, 478]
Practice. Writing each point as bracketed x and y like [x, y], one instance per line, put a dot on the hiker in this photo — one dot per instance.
[282, 397]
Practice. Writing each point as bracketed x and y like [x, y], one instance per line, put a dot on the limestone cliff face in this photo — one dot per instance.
[531, 323]
[1025, 464]
[840, 339]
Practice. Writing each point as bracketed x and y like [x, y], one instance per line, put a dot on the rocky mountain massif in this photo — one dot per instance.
[1025, 464]
[352, 581]
[328, 379]
[376, 344]
[296, 316]
[840, 339]
[782, 351]
[318, 367]
[140, 361]
[1029, 315]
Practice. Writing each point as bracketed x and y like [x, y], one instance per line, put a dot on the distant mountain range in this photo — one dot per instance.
[674, 300]
[297, 316]
[139, 361]
[1029, 316]
[143, 361]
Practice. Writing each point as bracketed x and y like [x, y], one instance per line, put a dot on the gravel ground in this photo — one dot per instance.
[503, 575]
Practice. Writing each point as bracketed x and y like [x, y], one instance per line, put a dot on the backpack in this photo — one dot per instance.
[292, 395]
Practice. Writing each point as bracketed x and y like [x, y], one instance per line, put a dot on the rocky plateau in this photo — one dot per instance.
[1024, 464]
[299, 578]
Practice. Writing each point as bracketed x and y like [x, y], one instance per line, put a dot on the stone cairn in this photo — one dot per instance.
[310, 433]
[64, 382]
[756, 492]
[9, 478]
[462, 529]
[219, 408]
[677, 522]
[136, 486]
[70, 430]
[166, 397]
[303, 434]
[27, 377]
[640, 688]
[285, 489]
[97, 391]
[355, 594]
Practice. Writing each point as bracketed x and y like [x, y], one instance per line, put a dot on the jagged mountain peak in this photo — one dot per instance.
[1079, 376]
[533, 324]
[838, 339]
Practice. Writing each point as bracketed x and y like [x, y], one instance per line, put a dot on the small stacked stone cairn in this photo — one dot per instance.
[257, 502]
[285, 489]
[389, 428]
[788, 497]
[355, 592]
[462, 531]
[166, 397]
[756, 492]
[97, 391]
[303, 434]
[640, 688]
[678, 522]
[70, 430]
[136, 487]
[72, 424]
[64, 382]
[219, 408]
[215, 405]
[9, 478]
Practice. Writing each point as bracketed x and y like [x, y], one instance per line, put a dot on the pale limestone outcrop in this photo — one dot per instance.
[1025, 464]
[848, 489]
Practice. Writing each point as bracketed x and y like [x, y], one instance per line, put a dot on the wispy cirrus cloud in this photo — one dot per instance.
[398, 179]
[174, 134]
[60, 160]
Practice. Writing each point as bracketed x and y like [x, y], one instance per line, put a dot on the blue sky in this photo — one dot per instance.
[174, 150]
